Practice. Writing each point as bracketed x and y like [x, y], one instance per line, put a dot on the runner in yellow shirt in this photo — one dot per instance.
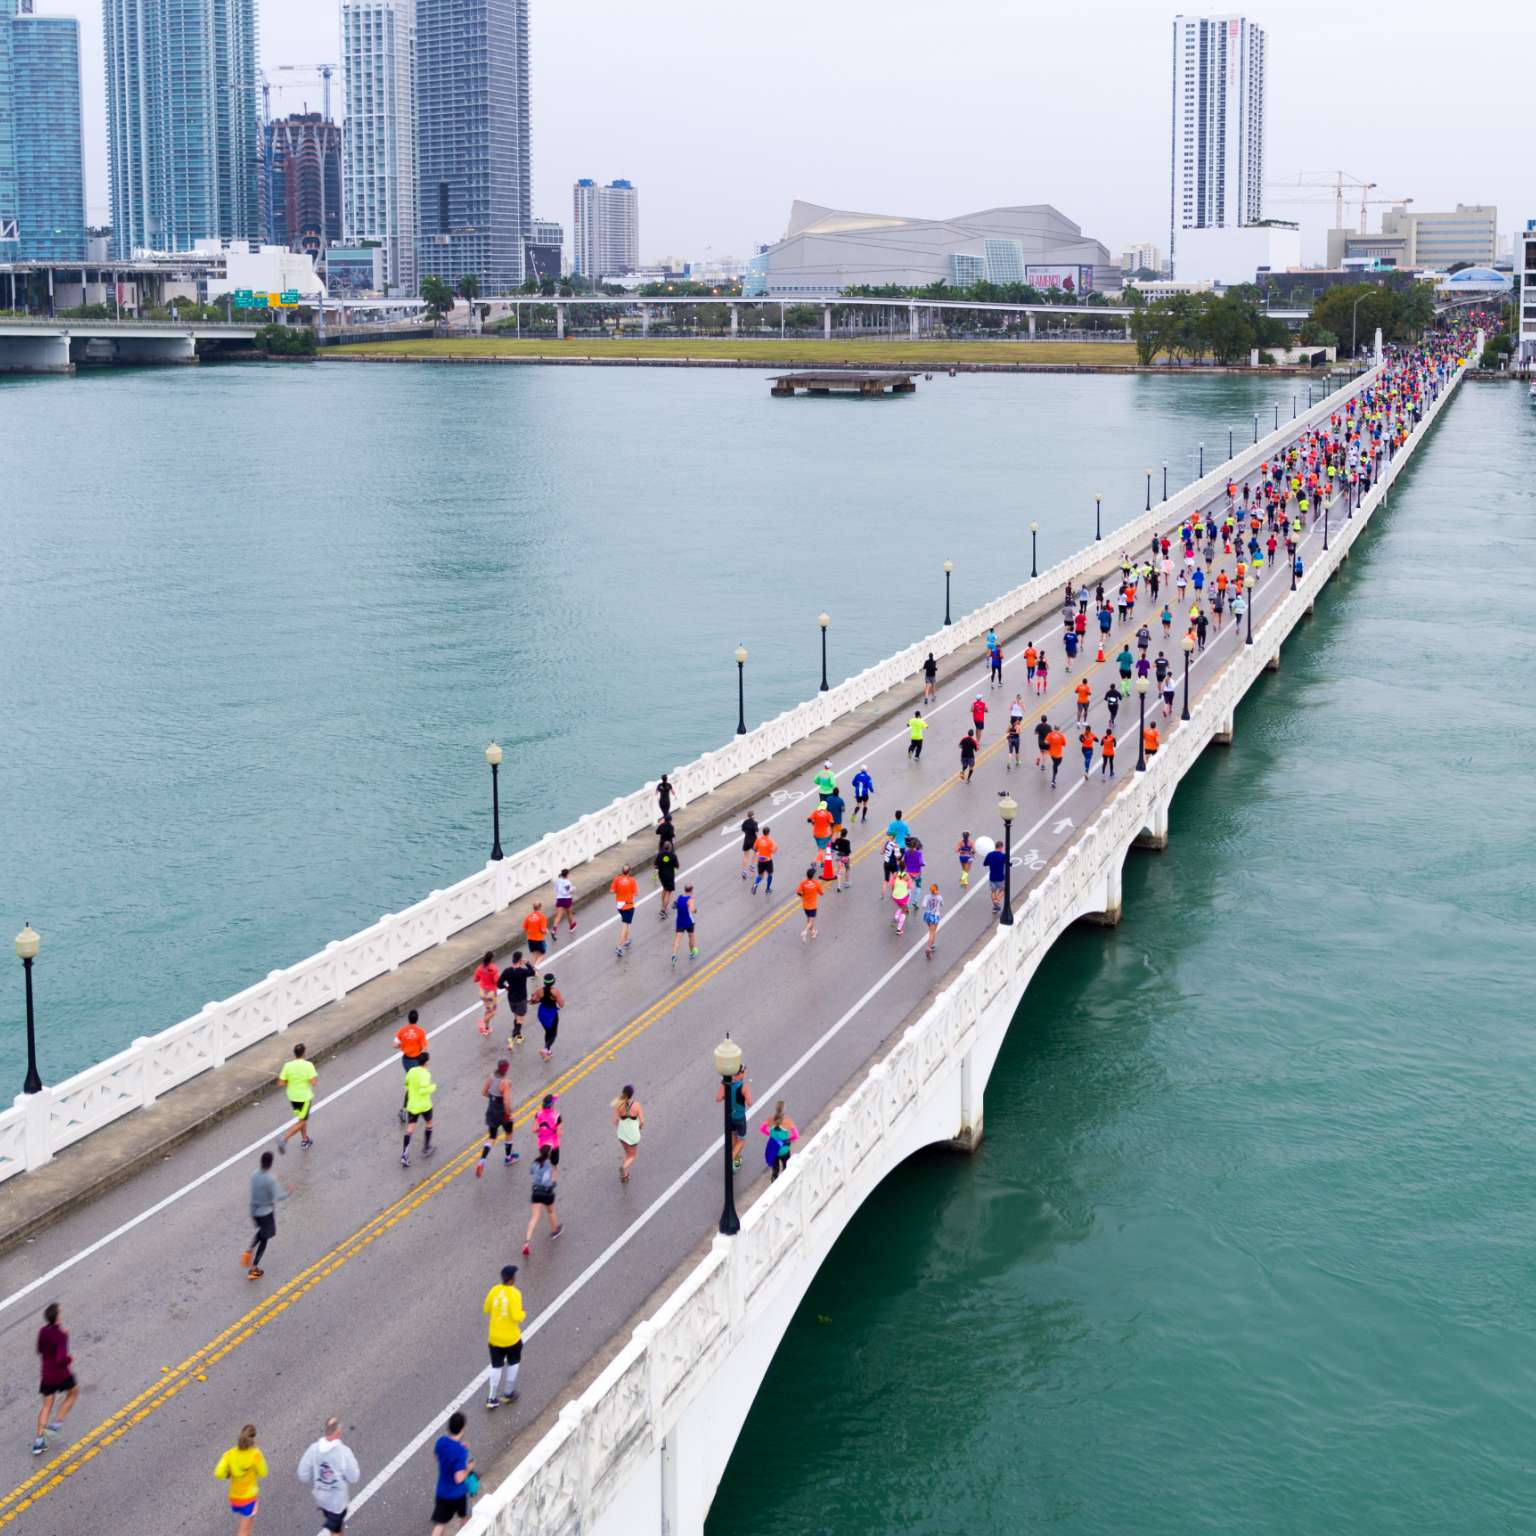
[298, 1078]
[243, 1466]
[504, 1307]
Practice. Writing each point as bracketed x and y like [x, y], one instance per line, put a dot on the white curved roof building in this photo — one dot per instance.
[825, 250]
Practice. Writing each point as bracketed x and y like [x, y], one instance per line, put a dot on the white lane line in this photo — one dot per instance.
[710, 1153]
[434, 1425]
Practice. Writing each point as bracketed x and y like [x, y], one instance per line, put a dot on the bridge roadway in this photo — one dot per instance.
[370, 1308]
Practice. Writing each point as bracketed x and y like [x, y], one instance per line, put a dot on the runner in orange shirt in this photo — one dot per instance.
[809, 892]
[821, 825]
[412, 1040]
[536, 929]
[1084, 693]
[764, 849]
[485, 979]
[1107, 755]
[1031, 656]
[1055, 744]
[1087, 741]
[624, 891]
[1150, 740]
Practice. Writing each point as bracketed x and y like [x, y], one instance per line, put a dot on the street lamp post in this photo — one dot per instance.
[1165, 482]
[1277, 415]
[823, 620]
[1007, 808]
[1098, 523]
[1201, 475]
[949, 566]
[1034, 535]
[1325, 524]
[1248, 614]
[1142, 685]
[741, 690]
[1149, 490]
[1255, 426]
[493, 757]
[27, 945]
[1293, 407]
[1229, 442]
[1295, 556]
[1189, 644]
[728, 1064]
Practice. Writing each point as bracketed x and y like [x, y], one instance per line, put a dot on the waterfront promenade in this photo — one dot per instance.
[361, 1235]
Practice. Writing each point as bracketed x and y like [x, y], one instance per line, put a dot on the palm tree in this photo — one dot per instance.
[437, 296]
[469, 291]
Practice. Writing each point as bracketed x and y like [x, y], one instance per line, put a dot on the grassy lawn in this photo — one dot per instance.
[770, 353]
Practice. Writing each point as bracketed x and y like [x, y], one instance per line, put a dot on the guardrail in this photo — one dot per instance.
[580, 1466]
[39, 1126]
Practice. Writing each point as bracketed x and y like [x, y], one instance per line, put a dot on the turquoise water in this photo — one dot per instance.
[257, 623]
[1248, 1244]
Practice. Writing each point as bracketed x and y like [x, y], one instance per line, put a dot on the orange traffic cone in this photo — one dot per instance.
[1100, 656]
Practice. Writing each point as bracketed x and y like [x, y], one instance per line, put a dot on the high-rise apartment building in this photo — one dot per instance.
[472, 140]
[543, 249]
[183, 136]
[378, 40]
[1217, 178]
[605, 228]
[302, 191]
[42, 176]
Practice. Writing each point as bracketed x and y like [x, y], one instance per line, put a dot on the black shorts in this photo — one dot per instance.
[861, 799]
[542, 1196]
[519, 1009]
[494, 1128]
[739, 1128]
[407, 1062]
[537, 947]
[266, 1226]
[626, 914]
[444, 1510]
[333, 1519]
[67, 1385]
[413, 1115]
[765, 866]
[507, 1354]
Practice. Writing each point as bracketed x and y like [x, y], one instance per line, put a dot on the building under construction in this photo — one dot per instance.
[301, 182]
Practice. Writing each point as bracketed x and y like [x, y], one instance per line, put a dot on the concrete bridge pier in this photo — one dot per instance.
[1273, 664]
[826, 322]
[35, 354]
[1155, 834]
[973, 1081]
[1031, 325]
[1108, 916]
[155, 350]
[560, 322]
[912, 321]
[735, 320]
[1222, 735]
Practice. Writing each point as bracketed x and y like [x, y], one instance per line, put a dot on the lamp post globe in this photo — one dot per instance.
[1007, 808]
[27, 945]
[727, 1062]
[741, 690]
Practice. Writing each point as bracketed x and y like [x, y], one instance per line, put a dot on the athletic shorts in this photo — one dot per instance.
[685, 927]
[739, 1128]
[821, 842]
[494, 1128]
[765, 866]
[626, 915]
[930, 919]
[997, 887]
[861, 799]
[519, 1010]
[67, 1385]
[444, 1510]
[537, 947]
[266, 1226]
[564, 903]
[543, 1196]
[810, 913]
[414, 1115]
[244, 1511]
[507, 1354]
[407, 1062]
[300, 1111]
[333, 1519]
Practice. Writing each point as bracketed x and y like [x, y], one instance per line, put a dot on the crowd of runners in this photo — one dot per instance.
[1139, 629]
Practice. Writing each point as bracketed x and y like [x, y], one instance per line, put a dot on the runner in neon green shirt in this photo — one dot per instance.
[419, 1089]
[298, 1078]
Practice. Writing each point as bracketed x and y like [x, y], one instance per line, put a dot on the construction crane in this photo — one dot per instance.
[310, 71]
[1342, 185]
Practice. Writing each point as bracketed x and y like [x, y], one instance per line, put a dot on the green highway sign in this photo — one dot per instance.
[290, 298]
[243, 298]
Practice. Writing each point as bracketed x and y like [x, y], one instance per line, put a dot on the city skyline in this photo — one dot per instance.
[1114, 117]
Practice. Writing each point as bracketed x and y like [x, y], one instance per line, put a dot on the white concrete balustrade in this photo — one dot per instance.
[642, 1450]
[38, 1126]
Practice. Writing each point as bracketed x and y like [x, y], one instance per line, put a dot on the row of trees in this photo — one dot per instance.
[978, 293]
[1192, 326]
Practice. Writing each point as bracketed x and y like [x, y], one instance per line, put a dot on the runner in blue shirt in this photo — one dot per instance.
[863, 788]
[898, 831]
[997, 868]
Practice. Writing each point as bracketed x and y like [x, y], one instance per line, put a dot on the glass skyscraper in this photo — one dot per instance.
[473, 200]
[183, 140]
[42, 176]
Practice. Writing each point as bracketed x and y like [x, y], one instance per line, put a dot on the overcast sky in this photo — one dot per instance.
[722, 115]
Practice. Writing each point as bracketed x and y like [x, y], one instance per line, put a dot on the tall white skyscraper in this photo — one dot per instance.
[378, 162]
[1217, 177]
[605, 228]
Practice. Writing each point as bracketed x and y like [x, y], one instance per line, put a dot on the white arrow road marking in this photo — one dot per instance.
[1064, 825]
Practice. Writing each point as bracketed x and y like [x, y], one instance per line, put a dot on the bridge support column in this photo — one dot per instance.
[35, 354]
[1155, 834]
[1110, 916]
[1311, 606]
[645, 319]
[912, 321]
[1222, 735]
[735, 319]
[969, 1137]
[826, 322]
[559, 322]
[142, 350]
[1273, 664]
[1031, 325]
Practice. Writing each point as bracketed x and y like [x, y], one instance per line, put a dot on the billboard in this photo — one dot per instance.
[1068, 279]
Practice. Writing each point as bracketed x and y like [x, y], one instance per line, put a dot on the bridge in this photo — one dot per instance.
[56, 346]
[648, 1333]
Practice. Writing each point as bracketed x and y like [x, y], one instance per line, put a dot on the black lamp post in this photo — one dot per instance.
[1277, 415]
[1325, 524]
[1293, 407]
[1189, 644]
[823, 620]
[1248, 613]
[1229, 442]
[741, 690]
[1007, 808]
[1201, 475]
[1255, 426]
[728, 1064]
[1295, 555]
[493, 757]
[1034, 536]
[1098, 525]
[27, 945]
[1142, 684]
[949, 566]
[1149, 490]
[1165, 482]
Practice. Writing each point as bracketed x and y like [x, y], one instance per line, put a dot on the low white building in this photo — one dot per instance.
[262, 269]
[1232, 256]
